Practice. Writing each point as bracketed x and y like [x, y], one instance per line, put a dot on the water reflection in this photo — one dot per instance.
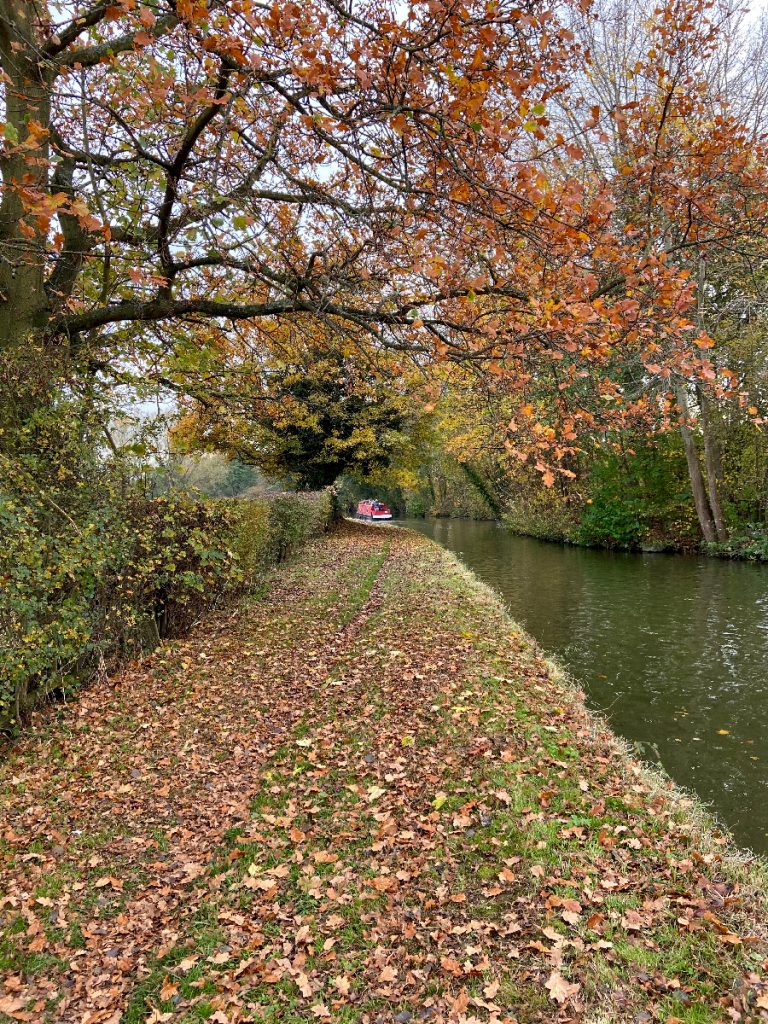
[673, 649]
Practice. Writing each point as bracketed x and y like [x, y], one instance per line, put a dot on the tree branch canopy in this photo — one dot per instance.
[403, 174]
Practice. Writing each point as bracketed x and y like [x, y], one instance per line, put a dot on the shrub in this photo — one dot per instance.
[641, 497]
[751, 544]
[267, 530]
[77, 594]
[611, 521]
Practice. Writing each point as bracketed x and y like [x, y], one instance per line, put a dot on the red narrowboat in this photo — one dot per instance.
[374, 510]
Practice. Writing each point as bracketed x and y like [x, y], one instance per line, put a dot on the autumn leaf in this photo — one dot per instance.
[342, 984]
[220, 958]
[303, 984]
[193, 871]
[560, 990]
[168, 989]
[452, 966]
[460, 1003]
[187, 964]
[12, 1004]
[115, 883]
[632, 921]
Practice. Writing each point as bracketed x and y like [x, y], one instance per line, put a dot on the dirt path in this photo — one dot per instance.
[360, 798]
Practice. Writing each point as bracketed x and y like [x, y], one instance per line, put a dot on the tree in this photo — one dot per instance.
[174, 145]
[385, 170]
[680, 96]
[312, 415]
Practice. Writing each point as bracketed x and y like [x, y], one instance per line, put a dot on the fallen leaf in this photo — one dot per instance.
[342, 984]
[561, 990]
[168, 989]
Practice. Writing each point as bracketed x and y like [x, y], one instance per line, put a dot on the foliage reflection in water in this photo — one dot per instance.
[672, 649]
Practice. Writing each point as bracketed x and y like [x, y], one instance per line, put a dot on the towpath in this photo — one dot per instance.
[362, 796]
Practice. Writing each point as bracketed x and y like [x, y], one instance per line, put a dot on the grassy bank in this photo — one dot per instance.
[364, 797]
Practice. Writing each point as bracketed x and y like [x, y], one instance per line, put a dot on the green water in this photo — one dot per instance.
[671, 649]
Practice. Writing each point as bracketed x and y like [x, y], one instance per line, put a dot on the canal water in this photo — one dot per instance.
[672, 649]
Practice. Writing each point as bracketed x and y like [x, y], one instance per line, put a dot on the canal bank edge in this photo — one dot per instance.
[735, 878]
[365, 797]
[668, 649]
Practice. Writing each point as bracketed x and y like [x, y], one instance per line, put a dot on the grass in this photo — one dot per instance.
[368, 795]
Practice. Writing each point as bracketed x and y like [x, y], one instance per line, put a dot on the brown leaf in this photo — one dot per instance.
[632, 921]
[108, 880]
[12, 1004]
[303, 984]
[452, 966]
[169, 989]
[561, 990]
[342, 984]
[461, 1002]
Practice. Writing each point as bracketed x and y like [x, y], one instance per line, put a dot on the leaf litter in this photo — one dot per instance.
[234, 829]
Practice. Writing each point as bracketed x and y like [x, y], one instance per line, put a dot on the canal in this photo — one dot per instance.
[673, 650]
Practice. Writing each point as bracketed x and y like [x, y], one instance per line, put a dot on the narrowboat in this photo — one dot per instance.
[373, 510]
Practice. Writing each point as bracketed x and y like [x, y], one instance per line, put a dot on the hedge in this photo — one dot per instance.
[78, 597]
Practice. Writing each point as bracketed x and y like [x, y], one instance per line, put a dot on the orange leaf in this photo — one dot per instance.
[169, 989]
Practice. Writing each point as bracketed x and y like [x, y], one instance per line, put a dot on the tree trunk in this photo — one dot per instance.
[711, 451]
[698, 488]
[713, 467]
[24, 170]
